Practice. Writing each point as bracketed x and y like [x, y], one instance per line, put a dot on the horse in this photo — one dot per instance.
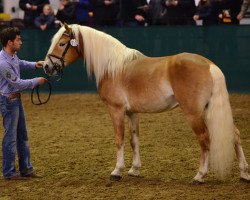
[129, 82]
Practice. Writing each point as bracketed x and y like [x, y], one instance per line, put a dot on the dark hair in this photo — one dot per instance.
[9, 33]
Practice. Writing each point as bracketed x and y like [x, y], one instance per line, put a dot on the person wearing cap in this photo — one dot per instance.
[15, 138]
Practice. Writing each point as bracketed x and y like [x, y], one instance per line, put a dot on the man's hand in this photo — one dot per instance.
[196, 17]
[42, 80]
[240, 16]
[39, 64]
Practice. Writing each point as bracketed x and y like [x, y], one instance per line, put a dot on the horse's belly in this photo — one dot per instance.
[156, 105]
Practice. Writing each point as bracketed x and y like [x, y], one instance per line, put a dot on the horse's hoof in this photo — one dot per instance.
[244, 180]
[135, 172]
[196, 182]
[115, 178]
[135, 176]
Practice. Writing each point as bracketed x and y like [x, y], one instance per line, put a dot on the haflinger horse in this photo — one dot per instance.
[129, 82]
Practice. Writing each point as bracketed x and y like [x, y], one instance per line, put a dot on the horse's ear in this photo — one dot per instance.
[68, 29]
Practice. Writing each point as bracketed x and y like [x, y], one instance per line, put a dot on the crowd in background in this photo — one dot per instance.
[131, 13]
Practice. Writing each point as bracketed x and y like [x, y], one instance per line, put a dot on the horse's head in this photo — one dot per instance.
[63, 51]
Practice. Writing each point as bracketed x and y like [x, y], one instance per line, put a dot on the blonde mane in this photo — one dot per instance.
[103, 53]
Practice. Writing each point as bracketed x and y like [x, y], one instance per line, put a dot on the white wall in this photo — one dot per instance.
[8, 5]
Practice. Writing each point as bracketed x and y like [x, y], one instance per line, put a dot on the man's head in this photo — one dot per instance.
[10, 38]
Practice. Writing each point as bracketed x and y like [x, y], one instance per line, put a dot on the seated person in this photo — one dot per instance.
[46, 19]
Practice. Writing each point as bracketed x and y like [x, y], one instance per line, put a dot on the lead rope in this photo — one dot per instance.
[37, 90]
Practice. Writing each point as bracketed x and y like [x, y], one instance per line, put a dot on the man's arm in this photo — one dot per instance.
[7, 74]
[23, 64]
[244, 7]
[17, 83]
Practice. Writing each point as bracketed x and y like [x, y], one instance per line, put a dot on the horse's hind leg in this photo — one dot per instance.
[244, 176]
[117, 116]
[199, 127]
[134, 141]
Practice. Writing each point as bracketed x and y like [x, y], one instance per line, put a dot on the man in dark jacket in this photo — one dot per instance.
[179, 12]
[32, 9]
[156, 14]
[66, 12]
[132, 12]
[105, 12]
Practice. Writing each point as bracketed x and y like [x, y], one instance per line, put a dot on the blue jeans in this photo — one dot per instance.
[15, 138]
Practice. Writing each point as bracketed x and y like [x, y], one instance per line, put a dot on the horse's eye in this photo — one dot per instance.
[61, 44]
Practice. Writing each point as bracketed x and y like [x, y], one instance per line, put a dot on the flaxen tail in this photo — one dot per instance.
[220, 125]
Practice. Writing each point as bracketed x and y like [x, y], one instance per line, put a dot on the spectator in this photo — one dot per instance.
[32, 9]
[143, 11]
[216, 6]
[66, 12]
[203, 12]
[156, 13]
[229, 11]
[244, 7]
[105, 12]
[179, 12]
[132, 12]
[83, 12]
[46, 19]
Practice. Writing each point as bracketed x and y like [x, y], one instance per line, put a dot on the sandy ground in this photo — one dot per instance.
[72, 146]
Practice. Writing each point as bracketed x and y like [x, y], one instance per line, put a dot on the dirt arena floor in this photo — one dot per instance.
[72, 146]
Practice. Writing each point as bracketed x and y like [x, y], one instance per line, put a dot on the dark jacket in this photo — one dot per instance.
[103, 14]
[156, 13]
[82, 11]
[68, 14]
[204, 10]
[181, 14]
[234, 7]
[129, 9]
[29, 15]
[45, 19]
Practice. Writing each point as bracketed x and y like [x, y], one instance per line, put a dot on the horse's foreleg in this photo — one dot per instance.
[117, 116]
[244, 175]
[134, 141]
[199, 127]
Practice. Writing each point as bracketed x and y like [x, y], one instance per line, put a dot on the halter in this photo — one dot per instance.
[59, 68]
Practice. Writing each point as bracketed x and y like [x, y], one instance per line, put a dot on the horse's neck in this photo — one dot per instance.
[104, 54]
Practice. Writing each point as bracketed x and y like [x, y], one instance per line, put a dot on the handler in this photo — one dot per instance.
[15, 133]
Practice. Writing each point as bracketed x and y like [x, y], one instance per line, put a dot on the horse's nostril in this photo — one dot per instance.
[46, 67]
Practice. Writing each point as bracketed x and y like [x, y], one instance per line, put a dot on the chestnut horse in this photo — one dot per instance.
[129, 83]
